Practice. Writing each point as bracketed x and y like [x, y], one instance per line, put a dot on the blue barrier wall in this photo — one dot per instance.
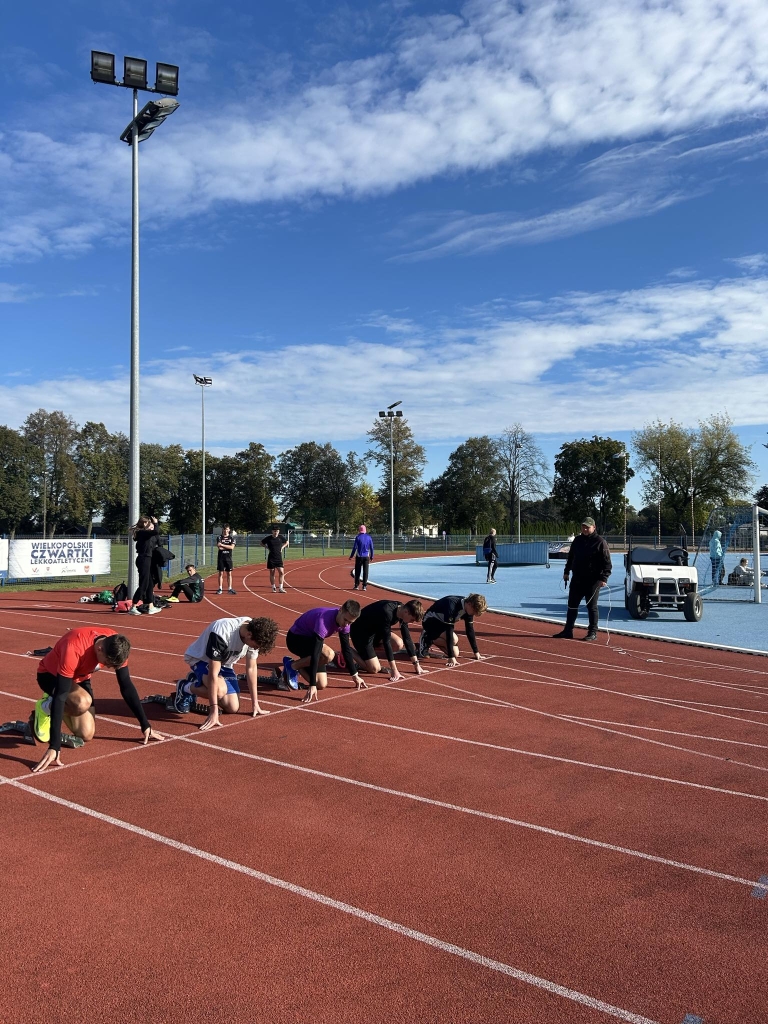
[531, 553]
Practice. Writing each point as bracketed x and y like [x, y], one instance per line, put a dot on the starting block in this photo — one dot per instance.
[167, 702]
[24, 730]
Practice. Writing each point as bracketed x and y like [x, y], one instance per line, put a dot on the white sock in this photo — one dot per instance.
[187, 688]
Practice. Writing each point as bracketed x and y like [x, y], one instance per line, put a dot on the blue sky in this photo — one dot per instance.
[551, 213]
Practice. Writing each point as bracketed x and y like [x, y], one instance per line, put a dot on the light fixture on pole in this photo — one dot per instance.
[690, 492]
[203, 382]
[140, 128]
[391, 416]
[624, 454]
[518, 447]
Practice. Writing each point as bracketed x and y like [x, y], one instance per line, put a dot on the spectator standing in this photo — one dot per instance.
[274, 545]
[226, 545]
[590, 561]
[716, 558]
[491, 555]
[146, 536]
[362, 552]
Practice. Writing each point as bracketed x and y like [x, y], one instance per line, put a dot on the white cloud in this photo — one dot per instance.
[500, 83]
[752, 264]
[14, 292]
[580, 362]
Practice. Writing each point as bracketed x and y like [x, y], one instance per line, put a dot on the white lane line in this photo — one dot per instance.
[545, 757]
[487, 815]
[670, 732]
[553, 988]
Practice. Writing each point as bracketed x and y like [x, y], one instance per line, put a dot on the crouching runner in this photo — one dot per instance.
[212, 657]
[374, 629]
[439, 622]
[306, 639]
[64, 675]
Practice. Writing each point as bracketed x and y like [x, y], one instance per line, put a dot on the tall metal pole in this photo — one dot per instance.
[518, 502]
[134, 471]
[659, 494]
[202, 405]
[693, 521]
[756, 510]
[392, 481]
[625, 497]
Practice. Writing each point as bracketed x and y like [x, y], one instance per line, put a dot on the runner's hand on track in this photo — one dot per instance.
[150, 734]
[311, 693]
[452, 663]
[360, 683]
[51, 757]
[258, 711]
[419, 670]
[395, 677]
[211, 722]
[480, 657]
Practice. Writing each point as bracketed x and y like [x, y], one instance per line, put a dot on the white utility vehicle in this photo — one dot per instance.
[660, 579]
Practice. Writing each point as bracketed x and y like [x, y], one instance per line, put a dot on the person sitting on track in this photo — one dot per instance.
[211, 658]
[441, 618]
[305, 640]
[193, 587]
[374, 629]
[274, 545]
[64, 675]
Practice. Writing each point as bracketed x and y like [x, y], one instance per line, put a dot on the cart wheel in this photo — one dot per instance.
[636, 607]
[693, 608]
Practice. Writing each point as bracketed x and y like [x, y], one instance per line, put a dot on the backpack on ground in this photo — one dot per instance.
[104, 597]
[122, 606]
[120, 593]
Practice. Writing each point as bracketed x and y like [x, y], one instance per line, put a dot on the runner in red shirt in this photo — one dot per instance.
[64, 675]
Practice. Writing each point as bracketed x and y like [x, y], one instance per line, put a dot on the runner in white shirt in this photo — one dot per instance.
[212, 657]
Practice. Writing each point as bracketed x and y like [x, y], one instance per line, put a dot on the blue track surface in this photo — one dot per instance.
[538, 592]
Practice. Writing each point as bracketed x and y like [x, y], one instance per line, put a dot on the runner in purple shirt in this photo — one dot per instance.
[305, 640]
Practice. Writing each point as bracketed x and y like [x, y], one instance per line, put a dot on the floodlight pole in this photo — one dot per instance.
[693, 521]
[203, 382]
[134, 473]
[756, 510]
[518, 447]
[392, 482]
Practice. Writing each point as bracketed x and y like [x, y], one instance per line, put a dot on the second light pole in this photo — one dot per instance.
[391, 416]
[203, 382]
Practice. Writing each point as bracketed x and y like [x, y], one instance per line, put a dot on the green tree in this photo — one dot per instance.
[301, 488]
[589, 480]
[52, 437]
[338, 478]
[254, 487]
[409, 461]
[15, 483]
[470, 486]
[365, 507]
[523, 470]
[712, 455]
[99, 458]
[185, 504]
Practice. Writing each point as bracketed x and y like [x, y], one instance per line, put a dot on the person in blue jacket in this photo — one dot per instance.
[716, 557]
[362, 552]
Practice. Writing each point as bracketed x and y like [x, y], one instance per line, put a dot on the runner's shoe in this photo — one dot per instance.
[424, 646]
[274, 589]
[281, 590]
[153, 610]
[231, 591]
[182, 702]
[134, 611]
[42, 721]
[219, 591]
[291, 675]
[172, 600]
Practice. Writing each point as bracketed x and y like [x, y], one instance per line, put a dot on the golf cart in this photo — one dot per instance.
[660, 579]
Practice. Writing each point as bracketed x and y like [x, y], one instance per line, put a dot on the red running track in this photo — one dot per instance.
[562, 833]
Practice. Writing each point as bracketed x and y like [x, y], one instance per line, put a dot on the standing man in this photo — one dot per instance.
[362, 552]
[491, 555]
[590, 561]
[226, 545]
[274, 545]
[64, 676]
[212, 657]
[716, 558]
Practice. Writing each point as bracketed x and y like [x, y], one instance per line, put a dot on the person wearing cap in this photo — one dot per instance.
[590, 562]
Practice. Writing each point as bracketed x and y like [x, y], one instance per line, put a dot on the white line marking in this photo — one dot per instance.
[347, 908]
[417, 798]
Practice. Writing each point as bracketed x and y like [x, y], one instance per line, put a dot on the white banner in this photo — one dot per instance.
[31, 559]
[3, 555]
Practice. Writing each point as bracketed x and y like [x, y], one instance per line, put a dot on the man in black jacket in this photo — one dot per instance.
[590, 561]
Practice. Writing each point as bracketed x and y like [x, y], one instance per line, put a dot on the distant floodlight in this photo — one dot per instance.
[103, 67]
[204, 382]
[394, 405]
[167, 78]
[148, 118]
[383, 414]
[134, 73]
[398, 413]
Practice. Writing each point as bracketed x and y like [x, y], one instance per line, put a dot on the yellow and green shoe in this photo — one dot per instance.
[42, 722]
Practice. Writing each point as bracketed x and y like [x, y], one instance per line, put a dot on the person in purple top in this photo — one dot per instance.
[362, 552]
[306, 639]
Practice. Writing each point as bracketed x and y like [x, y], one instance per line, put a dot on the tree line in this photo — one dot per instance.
[57, 477]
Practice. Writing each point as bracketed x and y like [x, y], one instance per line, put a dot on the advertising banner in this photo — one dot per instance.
[38, 559]
[3, 556]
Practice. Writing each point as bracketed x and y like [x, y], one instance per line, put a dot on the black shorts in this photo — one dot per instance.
[301, 646]
[274, 563]
[224, 562]
[47, 683]
[365, 643]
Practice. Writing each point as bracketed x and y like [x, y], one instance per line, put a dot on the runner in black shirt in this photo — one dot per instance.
[491, 556]
[440, 619]
[226, 545]
[374, 629]
[274, 544]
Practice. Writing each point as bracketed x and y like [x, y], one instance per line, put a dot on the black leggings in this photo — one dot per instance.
[144, 591]
[185, 589]
[361, 565]
[493, 561]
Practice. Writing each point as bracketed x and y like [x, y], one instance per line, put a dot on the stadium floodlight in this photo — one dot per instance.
[134, 73]
[103, 67]
[148, 119]
[140, 128]
[167, 78]
[203, 382]
[391, 416]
